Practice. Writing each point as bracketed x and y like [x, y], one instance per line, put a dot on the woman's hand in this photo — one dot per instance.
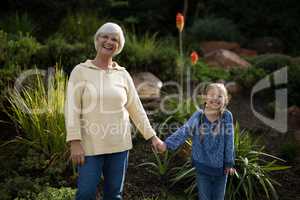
[230, 171]
[77, 152]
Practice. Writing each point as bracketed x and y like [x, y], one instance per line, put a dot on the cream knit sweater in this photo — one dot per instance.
[98, 105]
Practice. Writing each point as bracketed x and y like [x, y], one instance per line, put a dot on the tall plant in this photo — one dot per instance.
[37, 109]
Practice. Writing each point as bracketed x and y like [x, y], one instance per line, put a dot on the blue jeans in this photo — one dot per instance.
[112, 166]
[211, 187]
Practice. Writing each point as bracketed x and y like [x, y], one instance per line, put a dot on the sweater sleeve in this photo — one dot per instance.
[136, 110]
[229, 141]
[182, 134]
[75, 88]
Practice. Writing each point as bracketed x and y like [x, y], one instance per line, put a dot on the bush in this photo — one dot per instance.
[8, 77]
[247, 78]
[271, 62]
[203, 73]
[64, 193]
[57, 50]
[212, 28]
[19, 186]
[26, 171]
[3, 48]
[80, 27]
[164, 63]
[139, 52]
[50, 193]
[267, 64]
[147, 53]
[38, 110]
[21, 50]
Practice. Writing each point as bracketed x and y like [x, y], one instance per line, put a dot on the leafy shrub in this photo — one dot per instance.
[212, 28]
[182, 109]
[139, 52]
[247, 78]
[38, 111]
[203, 73]
[21, 50]
[3, 47]
[26, 171]
[164, 63]
[271, 62]
[48, 193]
[57, 50]
[147, 53]
[19, 186]
[64, 193]
[161, 166]
[8, 76]
[80, 27]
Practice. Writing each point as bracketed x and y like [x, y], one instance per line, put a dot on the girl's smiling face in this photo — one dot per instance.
[108, 43]
[215, 99]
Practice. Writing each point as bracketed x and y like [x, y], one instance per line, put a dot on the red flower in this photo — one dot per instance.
[179, 21]
[194, 57]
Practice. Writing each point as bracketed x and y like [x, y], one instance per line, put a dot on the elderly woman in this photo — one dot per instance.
[100, 98]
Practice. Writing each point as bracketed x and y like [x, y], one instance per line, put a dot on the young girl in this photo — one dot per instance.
[212, 134]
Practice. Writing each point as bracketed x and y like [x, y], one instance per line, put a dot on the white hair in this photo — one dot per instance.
[111, 28]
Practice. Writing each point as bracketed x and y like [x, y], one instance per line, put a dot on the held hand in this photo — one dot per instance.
[162, 148]
[156, 143]
[230, 171]
[77, 152]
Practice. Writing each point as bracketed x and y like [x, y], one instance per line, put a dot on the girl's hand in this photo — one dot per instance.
[230, 171]
[77, 152]
[162, 147]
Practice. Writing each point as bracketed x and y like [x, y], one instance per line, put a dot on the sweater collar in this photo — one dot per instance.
[115, 66]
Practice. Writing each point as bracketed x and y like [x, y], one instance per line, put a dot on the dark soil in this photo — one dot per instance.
[139, 182]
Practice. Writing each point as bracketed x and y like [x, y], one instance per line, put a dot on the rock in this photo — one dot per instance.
[210, 46]
[266, 45]
[232, 87]
[147, 85]
[245, 52]
[226, 59]
[294, 111]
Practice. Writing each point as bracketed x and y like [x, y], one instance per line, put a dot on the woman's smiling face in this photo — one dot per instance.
[108, 43]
